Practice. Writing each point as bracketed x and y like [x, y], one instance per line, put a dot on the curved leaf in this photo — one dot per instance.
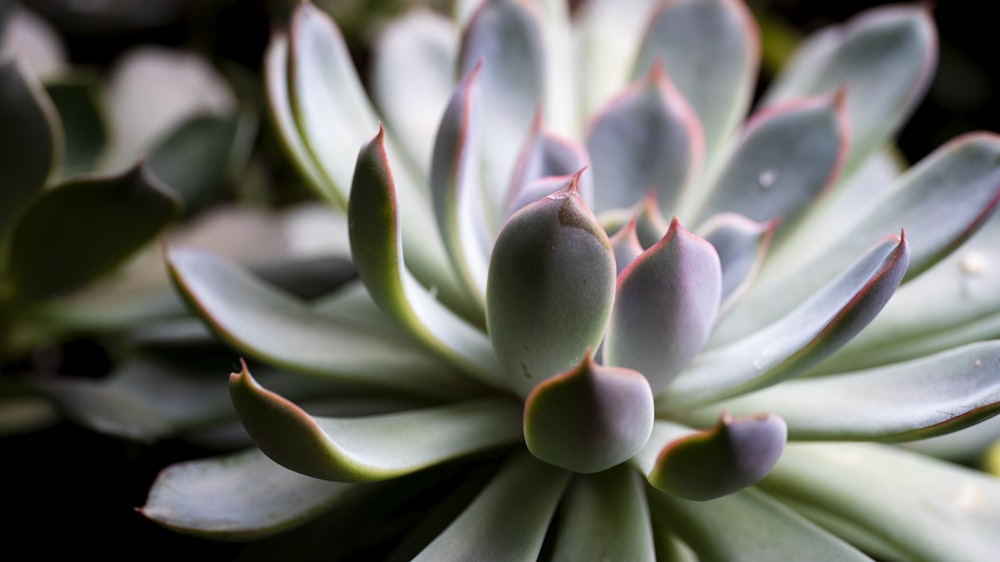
[625, 244]
[84, 122]
[241, 496]
[742, 245]
[373, 447]
[589, 418]
[550, 288]
[273, 326]
[508, 520]
[102, 220]
[900, 402]
[665, 305]
[816, 328]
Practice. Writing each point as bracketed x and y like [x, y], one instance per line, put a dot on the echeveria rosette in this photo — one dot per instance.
[524, 299]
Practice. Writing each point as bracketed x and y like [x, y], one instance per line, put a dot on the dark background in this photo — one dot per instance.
[69, 490]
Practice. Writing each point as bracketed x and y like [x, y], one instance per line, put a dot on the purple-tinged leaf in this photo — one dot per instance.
[710, 50]
[665, 305]
[803, 337]
[456, 192]
[416, 54]
[900, 402]
[506, 37]
[625, 244]
[370, 448]
[733, 454]
[550, 288]
[240, 496]
[508, 520]
[605, 517]
[377, 250]
[884, 57]
[787, 156]
[647, 138]
[589, 418]
[741, 244]
[547, 155]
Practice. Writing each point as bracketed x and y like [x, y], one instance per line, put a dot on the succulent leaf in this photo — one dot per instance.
[806, 335]
[241, 496]
[875, 487]
[377, 248]
[733, 454]
[268, 324]
[526, 491]
[647, 138]
[666, 302]
[605, 517]
[759, 528]
[369, 448]
[898, 402]
[547, 156]
[885, 57]
[30, 141]
[589, 418]
[710, 49]
[625, 244]
[102, 221]
[742, 245]
[550, 288]
[78, 100]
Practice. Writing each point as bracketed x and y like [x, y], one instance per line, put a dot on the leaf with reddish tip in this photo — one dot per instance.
[414, 53]
[506, 36]
[710, 50]
[734, 454]
[885, 57]
[550, 288]
[605, 517]
[546, 155]
[241, 496]
[369, 448]
[787, 156]
[455, 186]
[815, 329]
[665, 305]
[589, 418]
[508, 520]
[742, 245]
[625, 244]
[899, 402]
[647, 138]
[377, 250]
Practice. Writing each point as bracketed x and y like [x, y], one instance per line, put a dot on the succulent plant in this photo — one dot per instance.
[542, 359]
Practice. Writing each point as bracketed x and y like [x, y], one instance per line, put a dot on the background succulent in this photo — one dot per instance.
[493, 310]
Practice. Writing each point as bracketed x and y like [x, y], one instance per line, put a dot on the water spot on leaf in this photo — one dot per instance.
[767, 178]
[974, 263]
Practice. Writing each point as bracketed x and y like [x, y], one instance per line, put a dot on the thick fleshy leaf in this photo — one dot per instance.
[550, 288]
[561, 105]
[884, 56]
[815, 329]
[509, 520]
[704, 465]
[241, 496]
[266, 323]
[589, 418]
[78, 100]
[741, 244]
[605, 518]
[647, 138]
[506, 37]
[786, 157]
[546, 156]
[926, 508]
[102, 221]
[625, 244]
[456, 190]
[30, 141]
[900, 402]
[756, 528]
[372, 447]
[665, 305]
[710, 49]
[940, 203]
[377, 249]
[416, 54]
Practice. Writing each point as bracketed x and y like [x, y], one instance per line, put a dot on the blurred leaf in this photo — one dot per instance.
[78, 100]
